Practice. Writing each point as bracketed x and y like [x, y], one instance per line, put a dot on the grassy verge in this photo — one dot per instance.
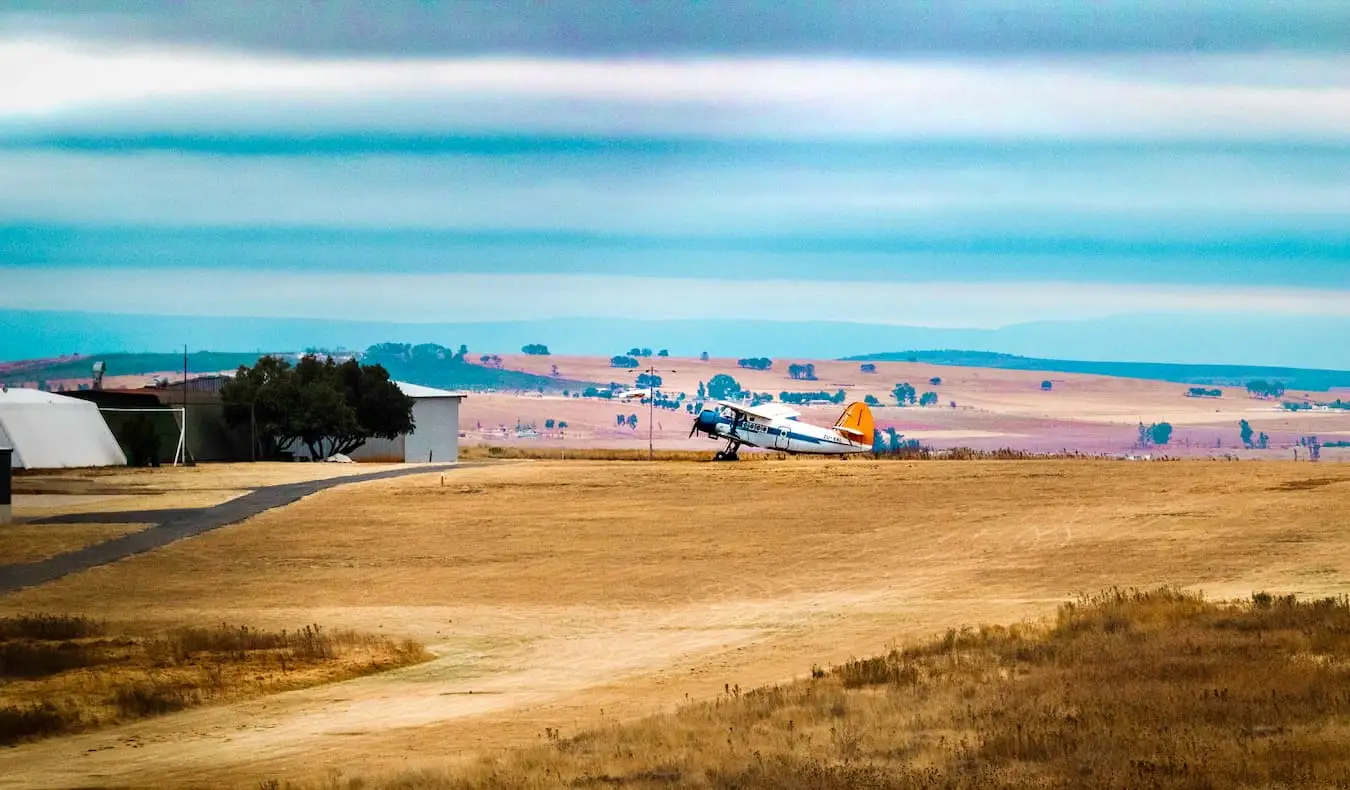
[1125, 689]
[484, 452]
[61, 674]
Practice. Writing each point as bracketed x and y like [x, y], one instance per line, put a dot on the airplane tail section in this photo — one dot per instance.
[856, 423]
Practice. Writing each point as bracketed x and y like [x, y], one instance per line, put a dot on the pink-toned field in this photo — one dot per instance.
[993, 409]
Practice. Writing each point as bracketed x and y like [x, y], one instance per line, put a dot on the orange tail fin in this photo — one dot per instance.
[856, 423]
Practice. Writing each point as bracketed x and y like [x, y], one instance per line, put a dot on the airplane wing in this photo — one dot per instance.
[765, 411]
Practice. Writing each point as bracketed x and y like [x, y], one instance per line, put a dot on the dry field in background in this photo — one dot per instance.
[570, 594]
[996, 408]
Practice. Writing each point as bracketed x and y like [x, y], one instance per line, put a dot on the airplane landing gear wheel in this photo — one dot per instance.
[723, 455]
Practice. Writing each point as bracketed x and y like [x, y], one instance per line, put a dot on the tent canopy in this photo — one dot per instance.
[50, 431]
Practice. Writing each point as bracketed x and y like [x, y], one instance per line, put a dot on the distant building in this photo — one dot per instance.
[435, 436]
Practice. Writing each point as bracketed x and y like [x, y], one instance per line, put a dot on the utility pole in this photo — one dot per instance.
[185, 399]
[651, 372]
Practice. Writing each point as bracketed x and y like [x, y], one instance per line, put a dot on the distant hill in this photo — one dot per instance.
[124, 365]
[1230, 375]
[433, 366]
[1200, 338]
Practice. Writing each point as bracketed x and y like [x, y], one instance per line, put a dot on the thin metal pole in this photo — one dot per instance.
[185, 379]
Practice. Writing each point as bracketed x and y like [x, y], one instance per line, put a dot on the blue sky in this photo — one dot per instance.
[975, 164]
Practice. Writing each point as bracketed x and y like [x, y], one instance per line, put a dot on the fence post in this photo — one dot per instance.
[6, 485]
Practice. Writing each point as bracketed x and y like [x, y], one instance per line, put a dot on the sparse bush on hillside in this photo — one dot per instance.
[1261, 388]
[904, 394]
[621, 361]
[1159, 434]
[723, 387]
[535, 349]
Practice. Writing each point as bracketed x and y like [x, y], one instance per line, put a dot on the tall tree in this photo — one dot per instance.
[327, 407]
[724, 387]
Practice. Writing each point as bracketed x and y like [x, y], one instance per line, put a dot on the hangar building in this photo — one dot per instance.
[50, 431]
[435, 436]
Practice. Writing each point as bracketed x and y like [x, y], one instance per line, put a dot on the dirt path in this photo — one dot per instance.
[183, 525]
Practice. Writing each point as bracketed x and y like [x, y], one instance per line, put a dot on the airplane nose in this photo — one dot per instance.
[706, 421]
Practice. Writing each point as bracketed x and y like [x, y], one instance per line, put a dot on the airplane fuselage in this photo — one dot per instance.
[785, 435]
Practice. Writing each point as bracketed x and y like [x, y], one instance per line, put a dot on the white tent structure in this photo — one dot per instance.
[49, 431]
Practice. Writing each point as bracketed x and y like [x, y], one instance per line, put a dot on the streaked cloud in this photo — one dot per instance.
[64, 84]
[583, 28]
[433, 298]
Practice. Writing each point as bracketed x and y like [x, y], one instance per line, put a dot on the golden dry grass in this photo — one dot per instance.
[32, 542]
[571, 594]
[1126, 689]
[165, 479]
[61, 674]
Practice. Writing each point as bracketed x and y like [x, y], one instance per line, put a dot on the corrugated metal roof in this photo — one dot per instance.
[418, 391]
[50, 431]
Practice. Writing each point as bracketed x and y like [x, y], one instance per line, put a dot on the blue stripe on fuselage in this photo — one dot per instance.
[768, 430]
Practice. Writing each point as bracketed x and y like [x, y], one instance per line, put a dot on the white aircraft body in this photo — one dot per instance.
[641, 393]
[776, 427]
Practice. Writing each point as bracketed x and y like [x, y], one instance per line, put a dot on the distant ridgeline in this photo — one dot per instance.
[41, 370]
[437, 366]
[427, 364]
[1228, 375]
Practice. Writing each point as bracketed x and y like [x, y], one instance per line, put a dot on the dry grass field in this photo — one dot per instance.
[32, 542]
[1126, 689]
[564, 596]
[47, 493]
[61, 673]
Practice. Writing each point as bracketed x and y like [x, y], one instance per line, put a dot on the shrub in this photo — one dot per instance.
[151, 698]
[22, 723]
[49, 627]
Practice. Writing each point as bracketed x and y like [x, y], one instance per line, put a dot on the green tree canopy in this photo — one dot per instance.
[534, 349]
[724, 387]
[328, 407]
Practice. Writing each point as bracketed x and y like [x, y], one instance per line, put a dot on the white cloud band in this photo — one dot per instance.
[433, 298]
[61, 82]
